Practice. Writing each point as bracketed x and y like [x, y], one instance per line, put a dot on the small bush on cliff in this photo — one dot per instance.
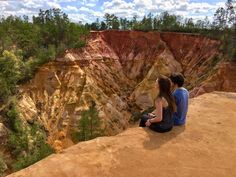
[28, 147]
[215, 60]
[18, 143]
[26, 142]
[15, 124]
[36, 151]
[10, 72]
[18, 138]
[89, 125]
[32, 157]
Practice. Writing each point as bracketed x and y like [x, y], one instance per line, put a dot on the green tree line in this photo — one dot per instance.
[224, 17]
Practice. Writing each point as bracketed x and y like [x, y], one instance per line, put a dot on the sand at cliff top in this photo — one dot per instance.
[205, 147]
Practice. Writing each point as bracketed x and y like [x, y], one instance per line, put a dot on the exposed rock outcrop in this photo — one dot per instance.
[223, 78]
[206, 146]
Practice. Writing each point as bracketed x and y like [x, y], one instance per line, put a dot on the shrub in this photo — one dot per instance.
[79, 44]
[18, 139]
[215, 60]
[29, 147]
[10, 66]
[14, 121]
[4, 91]
[75, 136]
[26, 142]
[39, 153]
[18, 143]
[44, 55]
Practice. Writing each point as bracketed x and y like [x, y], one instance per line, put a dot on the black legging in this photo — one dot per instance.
[154, 126]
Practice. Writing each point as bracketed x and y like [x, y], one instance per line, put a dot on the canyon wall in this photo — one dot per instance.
[118, 70]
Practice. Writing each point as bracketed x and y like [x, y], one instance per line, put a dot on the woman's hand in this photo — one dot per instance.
[148, 123]
[151, 115]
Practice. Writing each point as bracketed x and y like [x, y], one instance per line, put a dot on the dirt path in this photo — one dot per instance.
[205, 147]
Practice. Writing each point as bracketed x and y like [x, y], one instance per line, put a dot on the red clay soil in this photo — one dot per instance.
[133, 47]
[197, 55]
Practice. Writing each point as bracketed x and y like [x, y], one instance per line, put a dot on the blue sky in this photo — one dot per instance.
[89, 10]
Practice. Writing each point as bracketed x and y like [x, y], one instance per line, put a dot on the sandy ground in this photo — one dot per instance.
[205, 147]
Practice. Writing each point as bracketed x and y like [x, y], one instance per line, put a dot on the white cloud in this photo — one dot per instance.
[85, 9]
[54, 5]
[85, 2]
[121, 4]
[92, 13]
[121, 8]
[90, 4]
[88, 10]
[64, 1]
[79, 18]
[3, 6]
[70, 8]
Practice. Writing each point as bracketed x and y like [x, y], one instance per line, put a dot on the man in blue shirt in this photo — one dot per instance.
[181, 98]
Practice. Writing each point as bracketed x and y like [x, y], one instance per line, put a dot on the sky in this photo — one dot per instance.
[88, 10]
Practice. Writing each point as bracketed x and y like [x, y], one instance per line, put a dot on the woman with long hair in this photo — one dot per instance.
[161, 119]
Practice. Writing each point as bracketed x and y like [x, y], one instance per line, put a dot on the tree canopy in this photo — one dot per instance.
[25, 45]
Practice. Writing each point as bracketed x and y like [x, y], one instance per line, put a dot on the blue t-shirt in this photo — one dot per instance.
[181, 98]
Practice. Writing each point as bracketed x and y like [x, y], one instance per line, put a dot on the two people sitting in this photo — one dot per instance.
[171, 108]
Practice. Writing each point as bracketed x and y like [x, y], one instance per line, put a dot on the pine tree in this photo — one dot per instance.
[108, 20]
[219, 18]
[230, 11]
[115, 22]
[124, 23]
[103, 26]
[149, 22]
[134, 23]
[89, 124]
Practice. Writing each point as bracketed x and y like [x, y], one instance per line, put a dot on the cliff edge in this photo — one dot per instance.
[205, 147]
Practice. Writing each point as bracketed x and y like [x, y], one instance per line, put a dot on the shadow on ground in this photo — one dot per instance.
[156, 140]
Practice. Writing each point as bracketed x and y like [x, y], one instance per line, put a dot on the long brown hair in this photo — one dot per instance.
[165, 92]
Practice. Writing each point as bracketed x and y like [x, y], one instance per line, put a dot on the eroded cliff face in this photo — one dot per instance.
[223, 78]
[116, 69]
[198, 55]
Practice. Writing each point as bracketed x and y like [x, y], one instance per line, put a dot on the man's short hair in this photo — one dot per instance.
[177, 78]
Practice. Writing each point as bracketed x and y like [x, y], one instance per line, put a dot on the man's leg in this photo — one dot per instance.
[143, 120]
